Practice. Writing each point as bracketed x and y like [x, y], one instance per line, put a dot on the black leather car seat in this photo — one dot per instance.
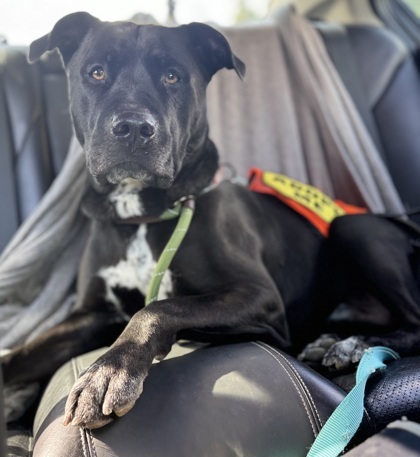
[246, 399]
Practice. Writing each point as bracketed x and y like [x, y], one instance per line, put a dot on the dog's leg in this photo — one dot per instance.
[113, 383]
[81, 332]
[378, 261]
[385, 261]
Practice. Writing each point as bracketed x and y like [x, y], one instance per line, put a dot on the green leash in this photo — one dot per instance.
[343, 423]
[185, 209]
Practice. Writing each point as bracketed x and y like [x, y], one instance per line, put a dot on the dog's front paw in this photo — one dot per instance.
[345, 353]
[314, 352]
[108, 388]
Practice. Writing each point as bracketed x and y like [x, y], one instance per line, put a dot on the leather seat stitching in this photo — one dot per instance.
[31, 444]
[293, 382]
[74, 367]
[82, 430]
[92, 442]
[84, 433]
[302, 381]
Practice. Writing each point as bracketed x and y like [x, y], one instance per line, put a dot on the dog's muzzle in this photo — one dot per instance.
[135, 145]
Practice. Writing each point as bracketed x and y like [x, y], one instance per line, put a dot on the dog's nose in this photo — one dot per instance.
[134, 128]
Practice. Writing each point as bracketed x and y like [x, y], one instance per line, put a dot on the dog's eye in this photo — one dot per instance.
[171, 77]
[98, 73]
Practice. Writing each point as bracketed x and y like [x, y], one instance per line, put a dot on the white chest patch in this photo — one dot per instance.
[126, 200]
[135, 272]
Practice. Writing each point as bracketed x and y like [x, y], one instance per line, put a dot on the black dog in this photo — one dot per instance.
[249, 268]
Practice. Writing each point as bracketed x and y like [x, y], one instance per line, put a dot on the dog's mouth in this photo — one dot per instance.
[132, 170]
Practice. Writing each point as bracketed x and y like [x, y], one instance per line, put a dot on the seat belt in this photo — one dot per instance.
[343, 423]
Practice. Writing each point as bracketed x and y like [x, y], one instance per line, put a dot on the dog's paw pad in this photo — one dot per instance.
[105, 390]
[345, 353]
[315, 352]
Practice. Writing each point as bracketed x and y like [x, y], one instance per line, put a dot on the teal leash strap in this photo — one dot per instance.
[343, 423]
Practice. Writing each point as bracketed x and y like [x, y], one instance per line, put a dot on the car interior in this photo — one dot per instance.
[245, 399]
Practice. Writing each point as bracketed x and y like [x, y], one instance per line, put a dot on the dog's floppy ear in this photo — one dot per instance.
[213, 50]
[66, 36]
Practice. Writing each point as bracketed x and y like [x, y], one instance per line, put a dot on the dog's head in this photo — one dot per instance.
[137, 93]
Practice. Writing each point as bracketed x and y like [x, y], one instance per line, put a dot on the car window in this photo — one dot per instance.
[22, 21]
